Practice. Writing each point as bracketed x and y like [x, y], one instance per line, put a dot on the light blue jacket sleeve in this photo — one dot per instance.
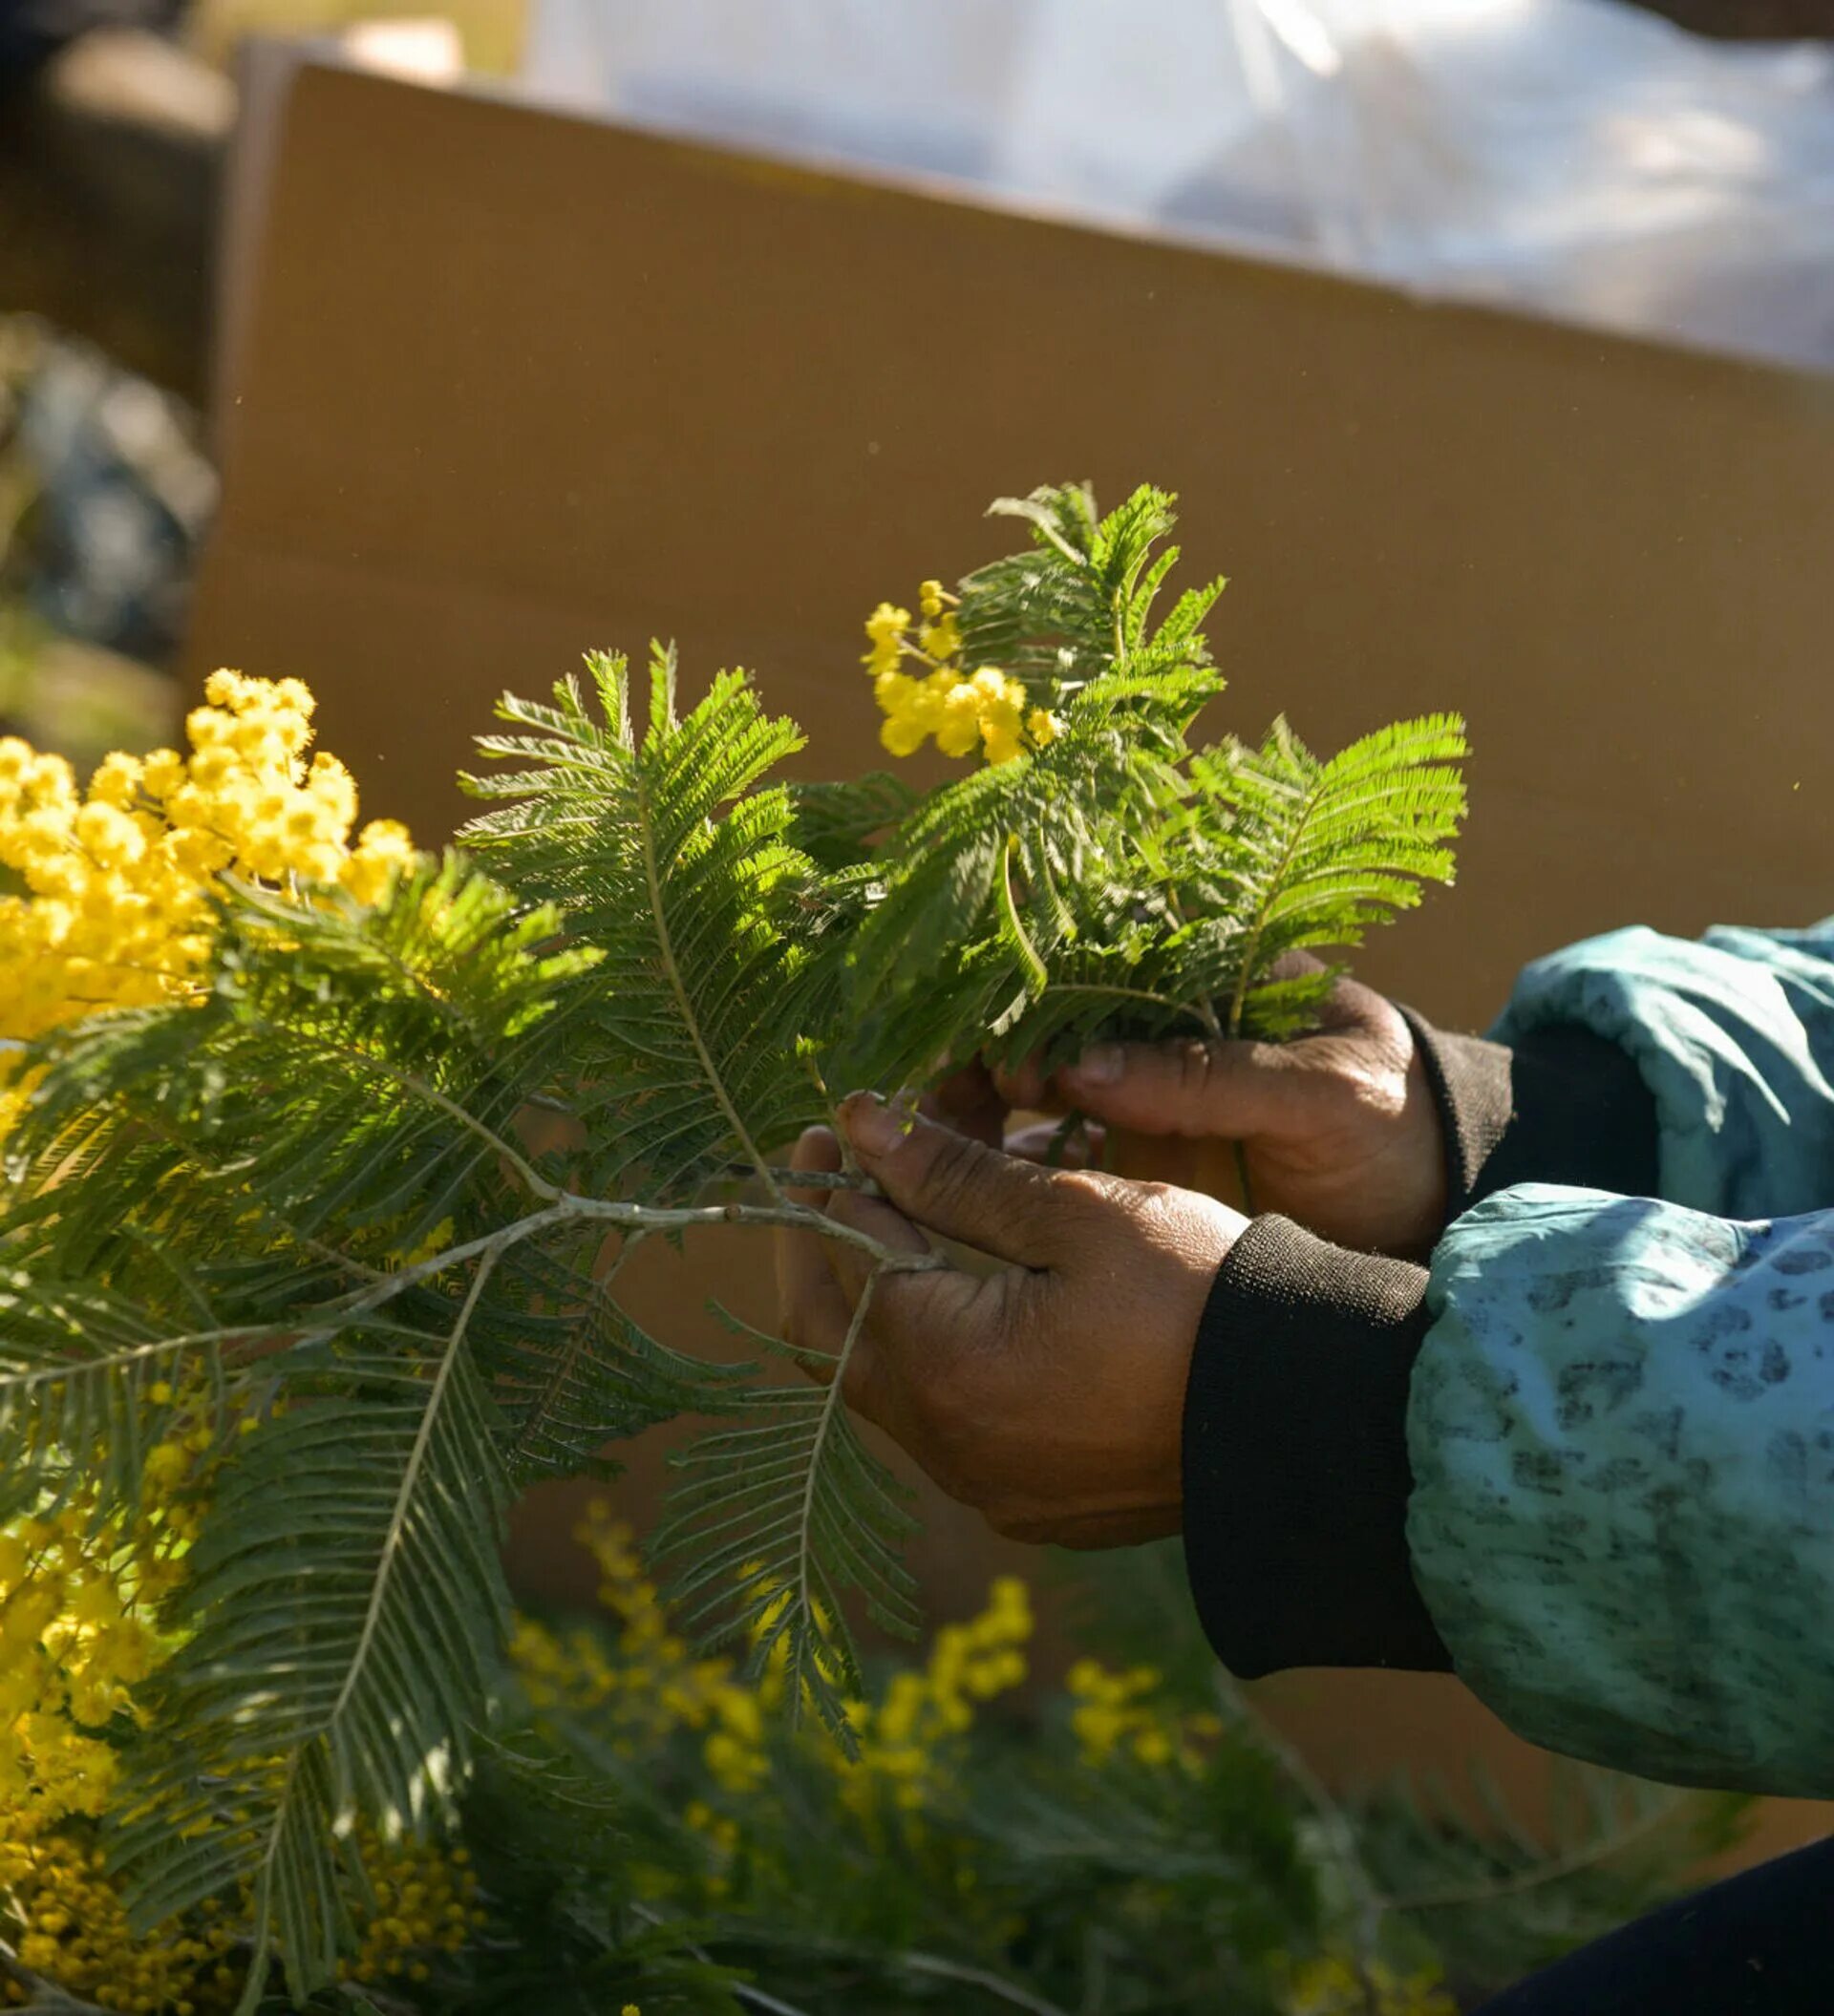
[1621, 1424]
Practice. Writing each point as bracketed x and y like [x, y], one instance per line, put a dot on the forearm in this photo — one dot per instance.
[1581, 1462]
[1296, 1476]
[1621, 1442]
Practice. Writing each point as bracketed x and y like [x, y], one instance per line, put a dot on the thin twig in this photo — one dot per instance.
[813, 1179]
[633, 1218]
[995, 1985]
[47, 1995]
[1552, 1871]
[1340, 1837]
[758, 1998]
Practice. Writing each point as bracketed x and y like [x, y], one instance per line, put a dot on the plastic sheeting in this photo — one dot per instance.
[1575, 156]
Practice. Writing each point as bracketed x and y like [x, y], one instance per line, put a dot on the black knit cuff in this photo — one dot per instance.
[1561, 1106]
[1475, 1093]
[1296, 1476]
[1583, 1116]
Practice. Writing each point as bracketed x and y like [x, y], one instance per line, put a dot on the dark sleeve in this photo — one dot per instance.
[1563, 1106]
[1296, 1476]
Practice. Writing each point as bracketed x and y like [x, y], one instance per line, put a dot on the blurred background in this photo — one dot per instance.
[1666, 169]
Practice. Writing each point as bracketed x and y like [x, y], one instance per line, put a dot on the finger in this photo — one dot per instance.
[918, 1327]
[967, 1192]
[816, 1150]
[1233, 1088]
[813, 1308]
[851, 1264]
[1047, 1143]
[1350, 1005]
[1026, 1086]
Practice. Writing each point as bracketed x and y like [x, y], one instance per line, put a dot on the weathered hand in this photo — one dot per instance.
[1049, 1391]
[1338, 1129]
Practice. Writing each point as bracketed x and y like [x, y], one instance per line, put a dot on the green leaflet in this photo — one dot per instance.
[673, 858]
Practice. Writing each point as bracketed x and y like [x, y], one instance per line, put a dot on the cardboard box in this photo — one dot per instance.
[501, 386]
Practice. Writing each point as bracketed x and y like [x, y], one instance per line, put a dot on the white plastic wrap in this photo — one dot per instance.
[1578, 156]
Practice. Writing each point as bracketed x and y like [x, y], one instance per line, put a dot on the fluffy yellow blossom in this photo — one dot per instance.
[655, 1685]
[114, 910]
[382, 849]
[885, 629]
[422, 1901]
[80, 1592]
[905, 1740]
[69, 1926]
[1335, 1987]
[987, 709]
[1122, 1711]
[651, 1686]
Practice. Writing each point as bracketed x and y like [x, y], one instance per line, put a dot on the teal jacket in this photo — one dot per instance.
[1621, 1422]
[1587, 1459]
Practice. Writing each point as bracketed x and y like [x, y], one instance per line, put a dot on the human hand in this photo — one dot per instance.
[1048, 1393]
[1338, 1129]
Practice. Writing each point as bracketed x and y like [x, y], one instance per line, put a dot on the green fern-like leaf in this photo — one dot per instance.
[343, 1078]
[1079, 603]
[1311, 853]
[669, 854]
[779, 1520]
[572, 1369]
[345, 1610]
[697, 1043]
[992, 877]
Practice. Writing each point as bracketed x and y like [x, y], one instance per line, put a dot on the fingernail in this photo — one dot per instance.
[873, 1127]
[1102, 1064]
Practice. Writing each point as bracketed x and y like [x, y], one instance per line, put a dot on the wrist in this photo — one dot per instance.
[1295, 1469]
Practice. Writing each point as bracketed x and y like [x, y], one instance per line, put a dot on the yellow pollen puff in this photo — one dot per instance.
[989, 709]
[110, 904]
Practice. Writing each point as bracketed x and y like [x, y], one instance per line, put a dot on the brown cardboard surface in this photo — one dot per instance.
[509, 385]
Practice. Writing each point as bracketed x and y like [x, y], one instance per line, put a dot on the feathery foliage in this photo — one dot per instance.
[325, 1245]
[1115, 880]
[672, 860]
[331, 1094]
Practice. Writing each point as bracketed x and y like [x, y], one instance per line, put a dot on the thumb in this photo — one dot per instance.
[965, 1191]
[1232, 1087]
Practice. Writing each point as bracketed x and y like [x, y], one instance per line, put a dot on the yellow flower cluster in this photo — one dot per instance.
[79, 1600]
[424, 1901]
[905, 1739]
[1121, 1712]
[1336, 1986]
[115, 908]
[80, 1596]
[650, 1685]
[70, 1928]
[987, 709]
[654, 1684]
